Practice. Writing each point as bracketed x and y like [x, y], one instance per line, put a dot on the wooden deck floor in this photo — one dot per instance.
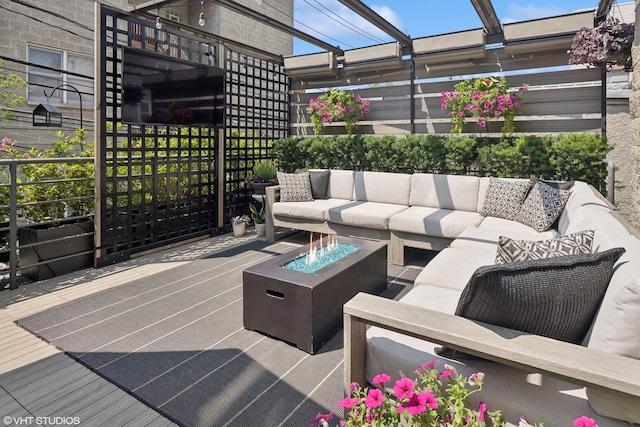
[37, 380]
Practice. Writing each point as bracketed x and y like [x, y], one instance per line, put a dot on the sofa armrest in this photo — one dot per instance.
[579, 365]
[272, 195]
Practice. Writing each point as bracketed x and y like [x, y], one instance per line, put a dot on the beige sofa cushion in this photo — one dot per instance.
[341, 184]
[445, 191]
[486, 239]
[581, 196]
[615, 328]
[316, 210]
[382, 187]
[434, 222]
[507, 227]
[364, 214]
[452, 268]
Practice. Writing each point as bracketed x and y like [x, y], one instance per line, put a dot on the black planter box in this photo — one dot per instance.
[306, 309]
[44, 251]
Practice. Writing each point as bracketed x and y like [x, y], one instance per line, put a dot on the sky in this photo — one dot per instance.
[334, 23]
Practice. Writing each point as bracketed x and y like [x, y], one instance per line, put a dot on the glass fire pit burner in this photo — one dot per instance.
[320, 257]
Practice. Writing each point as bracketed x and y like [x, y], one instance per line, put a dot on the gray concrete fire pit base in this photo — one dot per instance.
[306, 309]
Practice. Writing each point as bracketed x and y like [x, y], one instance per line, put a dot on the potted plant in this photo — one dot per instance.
[239, 223]
[54, 196]
[336, 105]
[264, 175]
[606, 45]
[259, 218]
[483, 99]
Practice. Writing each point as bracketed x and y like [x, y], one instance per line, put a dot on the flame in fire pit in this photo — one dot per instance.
[320, 255]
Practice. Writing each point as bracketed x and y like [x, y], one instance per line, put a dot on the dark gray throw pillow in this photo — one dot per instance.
[319, 183]
[552, 297]
[560, 185]
[510, 250]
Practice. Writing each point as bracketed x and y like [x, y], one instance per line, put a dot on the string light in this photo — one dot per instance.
[158, 23]
[201, 20]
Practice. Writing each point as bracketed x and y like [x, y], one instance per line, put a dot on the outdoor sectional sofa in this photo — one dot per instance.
[452, 311]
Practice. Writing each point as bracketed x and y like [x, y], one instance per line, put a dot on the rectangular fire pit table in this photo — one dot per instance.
[306, 309]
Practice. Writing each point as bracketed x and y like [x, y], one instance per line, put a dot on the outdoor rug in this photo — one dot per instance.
[175, 341]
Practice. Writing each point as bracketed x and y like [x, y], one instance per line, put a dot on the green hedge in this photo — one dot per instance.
[566, 156]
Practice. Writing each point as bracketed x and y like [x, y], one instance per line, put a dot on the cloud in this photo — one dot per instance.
[312, 15]
[518, 12]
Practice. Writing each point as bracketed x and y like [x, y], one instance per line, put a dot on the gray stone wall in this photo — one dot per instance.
[634, 103]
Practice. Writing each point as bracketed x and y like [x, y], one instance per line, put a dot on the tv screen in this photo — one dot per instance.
[158, 89]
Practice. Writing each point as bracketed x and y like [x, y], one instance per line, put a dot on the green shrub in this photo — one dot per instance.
[580, 156]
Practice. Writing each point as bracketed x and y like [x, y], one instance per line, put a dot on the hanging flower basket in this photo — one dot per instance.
[482, 99]
[336, 105]
[607, 45]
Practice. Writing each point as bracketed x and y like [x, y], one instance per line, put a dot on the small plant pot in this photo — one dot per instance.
[238, 229]
[261, 230]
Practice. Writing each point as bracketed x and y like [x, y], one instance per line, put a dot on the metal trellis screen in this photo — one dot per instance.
[257, 113]
[157, 138]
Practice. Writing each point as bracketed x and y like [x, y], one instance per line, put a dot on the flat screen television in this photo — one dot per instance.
[158, 89]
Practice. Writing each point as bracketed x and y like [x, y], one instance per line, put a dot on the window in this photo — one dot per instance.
[51, 73]
[172, 15]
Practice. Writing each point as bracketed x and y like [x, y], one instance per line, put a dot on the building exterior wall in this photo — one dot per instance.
[634, 103]
[67, 25]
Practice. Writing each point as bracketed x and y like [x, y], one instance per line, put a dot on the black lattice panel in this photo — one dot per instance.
[257, 113]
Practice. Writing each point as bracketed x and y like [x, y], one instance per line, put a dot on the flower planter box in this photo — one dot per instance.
[74, 243]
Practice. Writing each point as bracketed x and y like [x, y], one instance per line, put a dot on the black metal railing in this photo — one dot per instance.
[22, 254]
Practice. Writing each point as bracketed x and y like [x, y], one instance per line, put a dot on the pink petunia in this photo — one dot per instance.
[380, 379]
[320, 419]
[482, 409]
[374, 399]
[450, 370]
[348, 402]
[354, 385]
[585, 422]
[403, 388]
[481, 123]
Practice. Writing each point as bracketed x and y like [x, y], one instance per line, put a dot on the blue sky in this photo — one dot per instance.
[335, 23]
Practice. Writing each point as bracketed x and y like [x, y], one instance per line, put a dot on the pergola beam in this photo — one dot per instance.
[363, 10]
[152, 4]
[488, 16]
[245, 11]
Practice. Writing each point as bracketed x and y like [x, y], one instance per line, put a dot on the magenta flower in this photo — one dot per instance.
[380, 379]
[482, 409]
[481, 123]
[348, 402]
[403, 388]
[430, 364]
[584, 422]
[476, 378]
[354, 385]
[320, 419]
[449, 370]
[374, 399]
[419, 402]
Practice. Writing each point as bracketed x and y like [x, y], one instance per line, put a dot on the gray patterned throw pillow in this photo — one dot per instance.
[543, 205]
[295, 187]
[504, 198]
[510, 250]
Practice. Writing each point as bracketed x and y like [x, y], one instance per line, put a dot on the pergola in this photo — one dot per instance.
[484, 8]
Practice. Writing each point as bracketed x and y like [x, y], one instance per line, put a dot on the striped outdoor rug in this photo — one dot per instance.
[175, 341]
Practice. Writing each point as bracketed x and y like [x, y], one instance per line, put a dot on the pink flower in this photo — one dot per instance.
[460, 114]
[476, 378]
[430, 364]
[320, 419]
[584, 422]
[419, 402]
[481, 123]
[448, 369]
[374, 399]
[380, 379]
[482, 409]
[354, 385]
[348, 402]
[403, 388]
